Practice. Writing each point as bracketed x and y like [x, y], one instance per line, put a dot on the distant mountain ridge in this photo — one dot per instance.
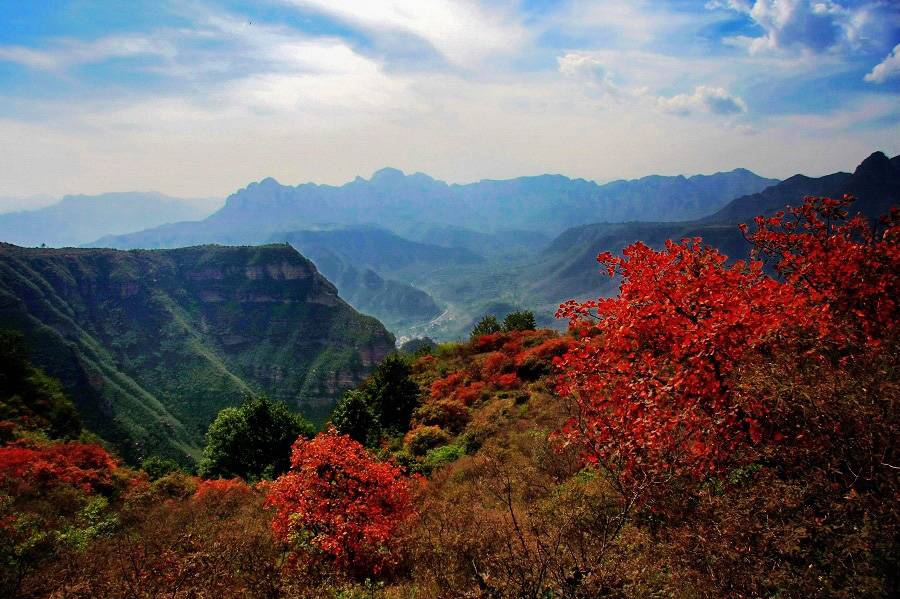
[547, 204]
[152, 344]
[79, 219]
[567, 268]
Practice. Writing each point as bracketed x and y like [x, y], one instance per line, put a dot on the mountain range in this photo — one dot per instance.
[547, 204]
[397, 245]
[79, 219]
[567, 268]
[152, 344]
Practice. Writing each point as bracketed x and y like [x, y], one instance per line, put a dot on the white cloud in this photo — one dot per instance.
[463, 31]
[889, 68]
[66, 53]
[714, 100]
[814, 26]
[589, 69]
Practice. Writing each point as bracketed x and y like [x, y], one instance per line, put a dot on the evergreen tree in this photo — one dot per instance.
[392, 394]
[355, 417]
[486, 326]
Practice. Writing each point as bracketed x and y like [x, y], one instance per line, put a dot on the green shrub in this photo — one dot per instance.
[157, 467]
[354, 416]
[420, 440]
[440, 456]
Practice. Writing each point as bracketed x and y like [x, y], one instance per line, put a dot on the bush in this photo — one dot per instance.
[441, 456]
[339, 507]
[392, 394]
[446, 413]
[176, 485]
[421, 439]
[157, 467]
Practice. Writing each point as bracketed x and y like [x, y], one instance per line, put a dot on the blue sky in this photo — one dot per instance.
[200, 98]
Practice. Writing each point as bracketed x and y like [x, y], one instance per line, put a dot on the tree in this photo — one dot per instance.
[353, 416]
[252, 441]
[656, 371]
[340, 507]
[392, 394]
[522, 320]
[486, 326]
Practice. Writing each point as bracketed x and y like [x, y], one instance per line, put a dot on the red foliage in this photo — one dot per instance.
[469, 394]
[488, 342]
[848, 267]
[28, 466]
[557, 346]
[508, 381]
[441, 388]
[652, 373]
[497, 362]
[340, 506]
[220, 488]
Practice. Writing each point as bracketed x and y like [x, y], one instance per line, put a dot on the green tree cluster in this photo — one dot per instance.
[385, 402]
[520, 320]
[252, 441]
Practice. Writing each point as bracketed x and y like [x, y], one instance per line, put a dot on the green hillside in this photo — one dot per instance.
[152, 344]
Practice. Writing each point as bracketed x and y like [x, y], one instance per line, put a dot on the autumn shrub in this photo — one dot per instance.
[443, 387]
[536, 362]
[29, 466]
[448, 414]
[340, 508]
[748, 409]
[470, 393]
[422, 438]
[197, 547]
[175, 485]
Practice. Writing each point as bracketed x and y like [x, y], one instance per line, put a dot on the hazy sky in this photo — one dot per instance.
[200, 98]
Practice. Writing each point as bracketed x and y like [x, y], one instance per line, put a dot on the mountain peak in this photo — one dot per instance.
[877, 162]
[387, 174]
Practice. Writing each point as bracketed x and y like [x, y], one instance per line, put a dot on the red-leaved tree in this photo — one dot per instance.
[340, 507]
[654, 374]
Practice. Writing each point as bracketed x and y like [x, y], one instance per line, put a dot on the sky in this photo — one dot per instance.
[198, 99]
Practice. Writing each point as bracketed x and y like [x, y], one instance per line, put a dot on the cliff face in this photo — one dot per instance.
[152, 344]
